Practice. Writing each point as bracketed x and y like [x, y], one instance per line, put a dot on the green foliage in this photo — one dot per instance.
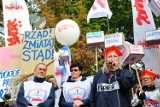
[77, 10]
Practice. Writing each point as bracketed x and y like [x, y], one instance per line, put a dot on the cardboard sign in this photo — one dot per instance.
[5, 78]
[132, 53]
[154, 5]
[153, 37]
[116, 39]
[38, 47]
[95, 39]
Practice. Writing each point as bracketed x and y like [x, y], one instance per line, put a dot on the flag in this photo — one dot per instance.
[16, 21]
[99, 8]
[142, 22]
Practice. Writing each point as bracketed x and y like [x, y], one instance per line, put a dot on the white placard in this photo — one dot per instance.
[114, 39]
[132, 53]
[154, 5]
[136, 49]
[95, 37]
[153, 35]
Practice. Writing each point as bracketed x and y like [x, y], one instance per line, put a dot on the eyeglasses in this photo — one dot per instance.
[74, 70]
[146, 78]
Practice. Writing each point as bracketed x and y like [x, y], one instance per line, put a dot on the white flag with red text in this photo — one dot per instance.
[142, 22]
[16, 21]
[99, 8]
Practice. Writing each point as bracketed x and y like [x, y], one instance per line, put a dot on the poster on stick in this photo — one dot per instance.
[153, 37]
[95, 39]
[154, 5]
[116, 39]
[10, 63]
[38, 47]
[132, 54]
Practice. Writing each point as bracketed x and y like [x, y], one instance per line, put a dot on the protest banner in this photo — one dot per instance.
[10, 63]
[38, 47]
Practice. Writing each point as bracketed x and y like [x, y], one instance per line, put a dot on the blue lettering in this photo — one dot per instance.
[48, 54]
[39, 35]
[40, 55]
[50, 43]
[27, 54]
[34, 32]
[27, 34]
[25, 44]
[1, 93]
[6, 82]
[45, 33]
[34, 54]
[32, 44]
[40, 44]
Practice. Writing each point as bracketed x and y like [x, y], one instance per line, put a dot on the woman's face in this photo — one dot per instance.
[112, 58]
[147, 81]
[75, 72]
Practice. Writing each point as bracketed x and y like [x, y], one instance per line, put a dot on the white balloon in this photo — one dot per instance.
[67, 32]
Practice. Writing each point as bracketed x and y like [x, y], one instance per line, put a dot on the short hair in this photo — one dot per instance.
[76, 64]
[40, 64]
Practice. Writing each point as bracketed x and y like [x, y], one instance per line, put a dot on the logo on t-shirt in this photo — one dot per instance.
[107, 87]
[76, 93]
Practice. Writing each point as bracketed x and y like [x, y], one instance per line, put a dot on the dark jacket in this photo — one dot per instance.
[104, 92]
[22, 101]
[63, 103]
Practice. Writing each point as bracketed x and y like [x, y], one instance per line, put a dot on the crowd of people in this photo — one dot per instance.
[110, 87]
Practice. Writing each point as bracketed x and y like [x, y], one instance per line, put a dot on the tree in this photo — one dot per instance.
[77, 10]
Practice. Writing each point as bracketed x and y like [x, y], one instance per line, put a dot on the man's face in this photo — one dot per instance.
[40, 71]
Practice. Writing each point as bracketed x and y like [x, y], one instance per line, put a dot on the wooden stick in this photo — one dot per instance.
[96, 49]
[139, 82]
[158, 59]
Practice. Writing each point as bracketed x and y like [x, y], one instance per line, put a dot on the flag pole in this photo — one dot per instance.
[96, 49]
[108, 24]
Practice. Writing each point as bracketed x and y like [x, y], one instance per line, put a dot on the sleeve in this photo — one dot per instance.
[50, 101]
[86, 102]
[21, 100]
[126, 79]
[63, 103]
[136, 102]
[94, 89]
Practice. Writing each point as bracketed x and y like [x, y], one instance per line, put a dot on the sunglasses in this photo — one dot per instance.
[74, 70]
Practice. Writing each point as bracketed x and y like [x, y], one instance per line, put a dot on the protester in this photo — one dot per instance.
[149, 93]
[76, 91]
[112, 84]
[36, 93]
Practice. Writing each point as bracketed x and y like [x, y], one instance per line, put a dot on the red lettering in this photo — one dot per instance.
[145, 45]
[36, 99]
[142, 15]
[13, 32]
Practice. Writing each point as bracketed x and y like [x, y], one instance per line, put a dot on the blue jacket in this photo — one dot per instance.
[105, 93]
[63, 103]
